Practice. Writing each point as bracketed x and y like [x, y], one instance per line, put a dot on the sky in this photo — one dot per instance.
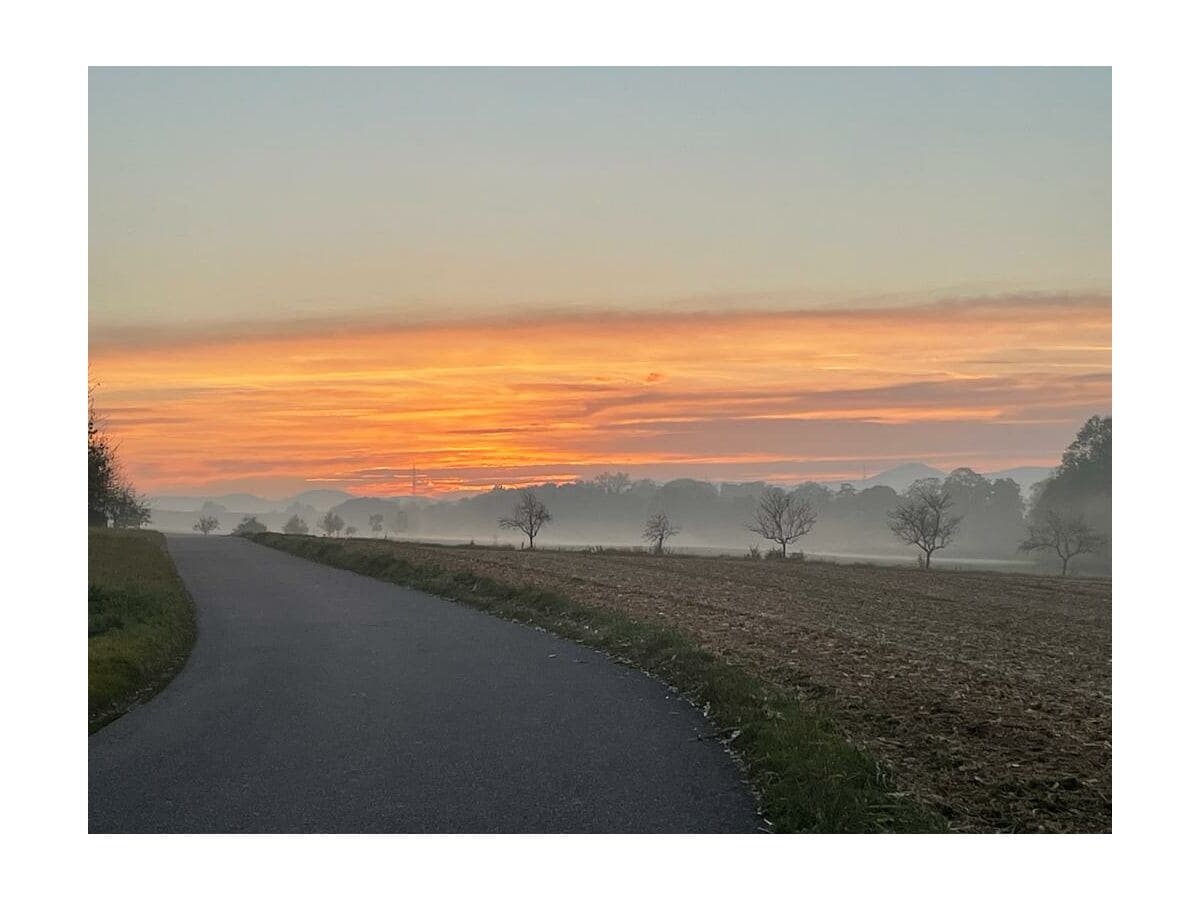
[325, 277]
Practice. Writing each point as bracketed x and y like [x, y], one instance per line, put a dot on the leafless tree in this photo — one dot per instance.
[1068, 535]
[331, 523]
[658, 529]
[351, 531]
[529, 515]
[376, 521]
[923, 518]
[206, 524]
[783, 517]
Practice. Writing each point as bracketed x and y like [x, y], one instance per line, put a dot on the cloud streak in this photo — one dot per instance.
[989, 382]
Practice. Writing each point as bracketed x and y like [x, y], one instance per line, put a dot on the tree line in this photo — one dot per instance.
[1068, 516]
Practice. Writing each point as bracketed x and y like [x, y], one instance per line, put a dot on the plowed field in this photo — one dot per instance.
[987, 695]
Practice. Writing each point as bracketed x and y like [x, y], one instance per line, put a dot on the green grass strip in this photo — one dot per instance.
[141, 621]
[808, 778]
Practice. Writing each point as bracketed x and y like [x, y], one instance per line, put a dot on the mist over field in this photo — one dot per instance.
[853, 520]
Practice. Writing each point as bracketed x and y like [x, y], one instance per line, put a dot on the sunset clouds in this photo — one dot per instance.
[329, 276]
[729, 396]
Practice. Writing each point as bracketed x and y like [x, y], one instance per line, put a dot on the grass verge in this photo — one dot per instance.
[808, 778]
[141, 622]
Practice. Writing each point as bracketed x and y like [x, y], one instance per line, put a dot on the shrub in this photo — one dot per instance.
[250, 525]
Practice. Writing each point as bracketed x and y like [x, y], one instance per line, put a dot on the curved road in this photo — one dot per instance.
[317, 700]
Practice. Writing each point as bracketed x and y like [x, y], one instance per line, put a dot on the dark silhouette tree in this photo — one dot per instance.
[1082, 482]
[528, 517]
[331, 523]
[782, 517]
[1067, 535]
[127, 509]
[1092, 447]
[101, 468]
[111, 499]
[295, 525]
[923, 518]
[658, 529]
[206, 524]
[249, 525]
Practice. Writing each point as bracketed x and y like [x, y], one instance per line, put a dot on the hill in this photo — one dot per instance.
[899, 478]
[320, 499]
[250, 503]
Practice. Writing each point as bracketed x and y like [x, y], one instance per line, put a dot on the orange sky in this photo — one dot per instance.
[735, 396]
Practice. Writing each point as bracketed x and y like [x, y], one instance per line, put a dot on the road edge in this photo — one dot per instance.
[804, 774]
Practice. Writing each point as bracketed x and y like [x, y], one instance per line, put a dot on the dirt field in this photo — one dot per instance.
[989, 696]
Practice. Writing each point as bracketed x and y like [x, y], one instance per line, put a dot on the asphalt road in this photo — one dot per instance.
[317, 700]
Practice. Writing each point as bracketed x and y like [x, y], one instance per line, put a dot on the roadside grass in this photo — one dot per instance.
[141, 622]
[807, 777]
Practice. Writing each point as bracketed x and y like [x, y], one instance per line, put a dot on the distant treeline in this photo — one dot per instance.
[707, 514]
[612, 510]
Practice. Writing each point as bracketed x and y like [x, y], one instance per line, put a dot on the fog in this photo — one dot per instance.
[610, 512]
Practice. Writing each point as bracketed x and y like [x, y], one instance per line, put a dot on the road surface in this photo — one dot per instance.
[318, 700]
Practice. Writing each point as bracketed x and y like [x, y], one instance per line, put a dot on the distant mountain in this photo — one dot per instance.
[320, 499]
[901, 477]
[248, 503]
[251, 503]
[303, 510]
[177, 503]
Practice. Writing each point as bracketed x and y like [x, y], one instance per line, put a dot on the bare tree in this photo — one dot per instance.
[331, 523]
[295, 525]
[529, 515]
[783, 517]
[923, 518]
[206, 524]
[351, 531]
[1066, 534]
[658, 529]
[376, 521]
